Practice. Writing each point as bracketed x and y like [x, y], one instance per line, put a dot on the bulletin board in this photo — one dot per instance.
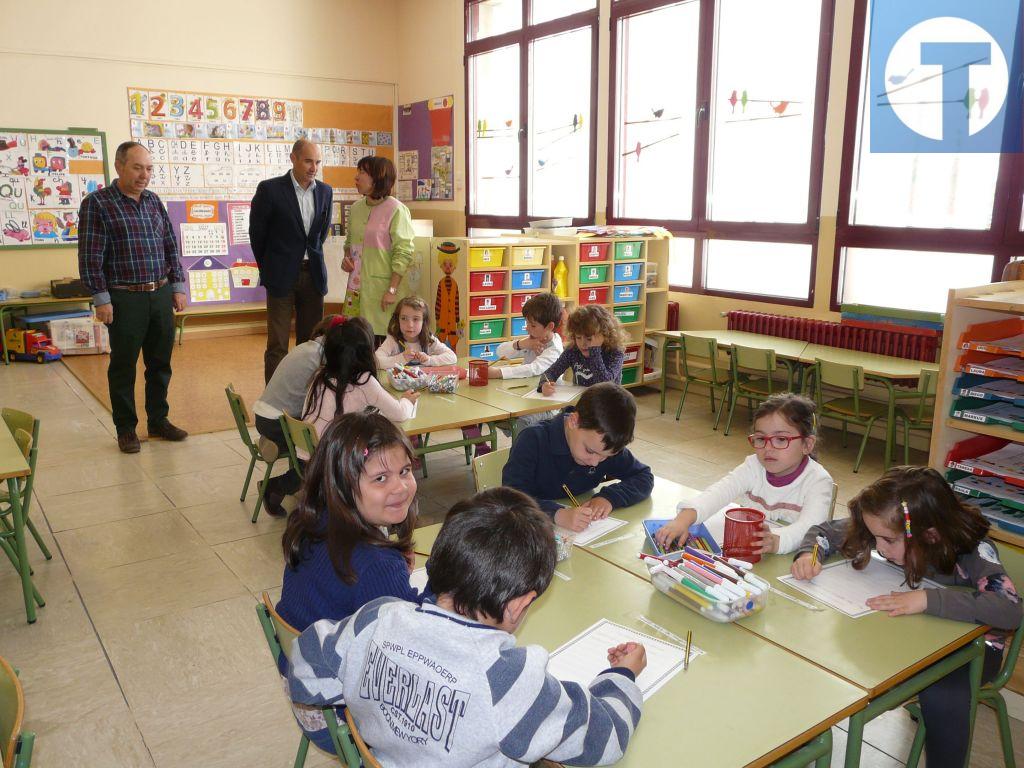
[426, 150]
[44, 174]
[220, 146]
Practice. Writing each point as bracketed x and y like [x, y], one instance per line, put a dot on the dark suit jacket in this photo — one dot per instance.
[278, 239]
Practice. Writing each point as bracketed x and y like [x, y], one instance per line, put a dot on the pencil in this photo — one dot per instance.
[689, 642]
[814, 556]
[569, 495]
[518, 386]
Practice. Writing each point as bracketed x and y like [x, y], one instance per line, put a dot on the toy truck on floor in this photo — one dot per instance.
[30, 345]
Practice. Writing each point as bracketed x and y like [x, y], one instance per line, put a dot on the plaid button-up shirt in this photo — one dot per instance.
[121, 241]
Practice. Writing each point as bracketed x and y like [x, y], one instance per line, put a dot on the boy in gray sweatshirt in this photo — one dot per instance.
[444, 683]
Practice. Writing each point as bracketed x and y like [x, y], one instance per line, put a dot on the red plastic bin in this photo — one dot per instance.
[597, 295]
[482, 306]
[632, 354]
[518, 300]
[594, 251]
[487, 281]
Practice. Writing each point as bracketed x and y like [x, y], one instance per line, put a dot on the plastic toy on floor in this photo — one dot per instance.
[30, 346]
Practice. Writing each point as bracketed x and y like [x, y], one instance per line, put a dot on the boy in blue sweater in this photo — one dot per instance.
[581, 448]
[444, 683]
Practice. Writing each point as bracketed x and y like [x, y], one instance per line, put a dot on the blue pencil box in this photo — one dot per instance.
[698, 531]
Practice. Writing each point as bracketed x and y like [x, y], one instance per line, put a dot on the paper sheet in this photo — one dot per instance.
[596, 530]
[564, 393]
[418, 579]
[585, 656]
[841, 587]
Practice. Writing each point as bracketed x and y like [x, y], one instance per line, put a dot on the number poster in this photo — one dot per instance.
[43, 177]
[216, 146]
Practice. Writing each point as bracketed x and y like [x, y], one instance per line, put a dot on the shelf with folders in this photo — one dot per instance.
[480, 286]
[977, 439]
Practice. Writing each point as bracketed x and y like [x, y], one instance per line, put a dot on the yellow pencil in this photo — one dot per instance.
[686, 658]
[569, 495]
[814, 556]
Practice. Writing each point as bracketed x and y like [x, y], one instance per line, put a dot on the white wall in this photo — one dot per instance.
[340, 50]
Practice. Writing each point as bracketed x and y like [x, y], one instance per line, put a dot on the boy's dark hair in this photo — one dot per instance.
[330, 491]
[493, 547]
[609, 410]
[543, 308]
[931, 504]
[347, 359]
[383, 173]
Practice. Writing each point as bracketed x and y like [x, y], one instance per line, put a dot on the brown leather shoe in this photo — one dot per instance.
[128, 442]
[167, 431]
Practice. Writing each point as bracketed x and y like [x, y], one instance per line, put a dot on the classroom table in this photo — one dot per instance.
[436, 412]
[716, 708]
[12, 467]
[788, 351]
[886, 657]
[507, 395]
[9, 306]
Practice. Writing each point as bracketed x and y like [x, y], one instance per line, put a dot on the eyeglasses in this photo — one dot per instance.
[779, 442]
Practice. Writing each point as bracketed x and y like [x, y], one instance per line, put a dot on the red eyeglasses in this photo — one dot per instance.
[779, 442]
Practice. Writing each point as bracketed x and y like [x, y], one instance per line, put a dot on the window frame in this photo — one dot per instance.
[1003, 239]
[699, 227]
[523, 37]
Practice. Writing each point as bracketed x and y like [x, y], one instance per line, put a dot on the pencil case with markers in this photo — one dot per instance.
[408, 377]
[712, 586]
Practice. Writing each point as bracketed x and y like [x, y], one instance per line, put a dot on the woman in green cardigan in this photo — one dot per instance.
[378, 247]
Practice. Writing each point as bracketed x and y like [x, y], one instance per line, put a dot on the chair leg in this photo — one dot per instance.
[844, 434]
[300, 754]
[995, 700]
[39, 539]
[248, 477]
[263, 488]
[13, 557]
[725, 396]
[682, 399]
[863, 443]
[906, 442]
[732, 410]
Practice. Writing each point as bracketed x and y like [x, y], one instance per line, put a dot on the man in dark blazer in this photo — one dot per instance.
[288, 224]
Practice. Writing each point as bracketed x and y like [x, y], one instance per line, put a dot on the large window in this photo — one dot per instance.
[912, 226]
[717, 133]
[531, 85]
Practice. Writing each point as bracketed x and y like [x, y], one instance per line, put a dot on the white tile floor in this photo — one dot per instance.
[148, 652]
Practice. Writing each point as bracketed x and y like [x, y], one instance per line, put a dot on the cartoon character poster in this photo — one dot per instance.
[446, 306]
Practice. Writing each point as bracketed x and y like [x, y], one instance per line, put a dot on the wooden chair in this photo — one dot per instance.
[16, 744]
[919, 412]
[989, 695]
[697, 361]
[487, 469]
[16, 420]
[280, 637]
[298, 434]
[364, 751]
[24, 442]
[266, 452]
[752, 376]
[852, 408]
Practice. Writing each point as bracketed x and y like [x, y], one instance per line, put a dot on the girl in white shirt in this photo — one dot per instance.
[409, 339]
[347, 380]
[782, 479]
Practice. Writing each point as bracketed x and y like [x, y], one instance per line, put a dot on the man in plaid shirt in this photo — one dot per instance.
[128, 257]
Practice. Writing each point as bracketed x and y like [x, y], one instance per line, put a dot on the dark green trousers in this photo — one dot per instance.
[143, 321]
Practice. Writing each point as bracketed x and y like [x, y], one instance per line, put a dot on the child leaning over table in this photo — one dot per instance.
[444, 683]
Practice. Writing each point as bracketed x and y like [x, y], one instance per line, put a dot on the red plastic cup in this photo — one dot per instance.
[741, 525]
[478, 373]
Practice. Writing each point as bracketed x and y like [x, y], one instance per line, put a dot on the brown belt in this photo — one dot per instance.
[141, 286]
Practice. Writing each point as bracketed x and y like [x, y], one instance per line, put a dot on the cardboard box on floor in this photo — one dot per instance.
[80, 336]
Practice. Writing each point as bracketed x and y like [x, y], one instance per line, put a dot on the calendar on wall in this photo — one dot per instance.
[43, 177]
[220, 146]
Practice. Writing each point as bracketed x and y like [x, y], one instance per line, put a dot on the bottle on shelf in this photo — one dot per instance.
[560, 279]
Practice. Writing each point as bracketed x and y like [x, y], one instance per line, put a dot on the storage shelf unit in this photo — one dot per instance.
[613, 272]
[495, 277]
[968, 308]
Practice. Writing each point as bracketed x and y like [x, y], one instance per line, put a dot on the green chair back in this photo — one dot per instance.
[241, 416]
[298, 434]
[281, 636]
[840, 376]
[754, 359]
[701, 349]
[16, 746]
[20, 421]
[925, 405]
[487, 469]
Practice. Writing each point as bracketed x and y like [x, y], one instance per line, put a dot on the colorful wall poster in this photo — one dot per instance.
[217, 259]
[221, 146]
[43, 177]
[426, 151]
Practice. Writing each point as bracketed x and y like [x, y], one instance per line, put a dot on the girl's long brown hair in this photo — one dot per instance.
[426, 338]
[330, 492]
[593, 319]
[943, 526]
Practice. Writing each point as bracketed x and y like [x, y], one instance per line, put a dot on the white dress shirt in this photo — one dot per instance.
[307, 205]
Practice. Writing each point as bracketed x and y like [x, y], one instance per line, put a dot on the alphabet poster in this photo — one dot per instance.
[426, 150]
[43, 177]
